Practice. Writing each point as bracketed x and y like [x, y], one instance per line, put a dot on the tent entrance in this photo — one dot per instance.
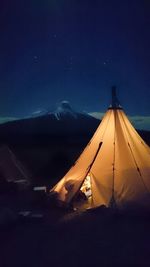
[83, 199]
[86, 187]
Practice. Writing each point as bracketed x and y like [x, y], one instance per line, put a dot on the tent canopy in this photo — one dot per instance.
[114, 168]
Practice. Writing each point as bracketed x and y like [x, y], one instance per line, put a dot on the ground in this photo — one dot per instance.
[65, 238]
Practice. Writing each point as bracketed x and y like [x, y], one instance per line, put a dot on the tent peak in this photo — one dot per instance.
[115, 104]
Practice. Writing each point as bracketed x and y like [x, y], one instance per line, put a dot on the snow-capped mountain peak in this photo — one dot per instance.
[64, 110]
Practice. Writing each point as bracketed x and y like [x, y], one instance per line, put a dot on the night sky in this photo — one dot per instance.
[75, 50]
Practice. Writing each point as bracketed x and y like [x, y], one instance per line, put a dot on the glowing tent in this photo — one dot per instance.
[113, 169]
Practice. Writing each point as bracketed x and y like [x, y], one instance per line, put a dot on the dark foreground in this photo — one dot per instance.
[60, 238]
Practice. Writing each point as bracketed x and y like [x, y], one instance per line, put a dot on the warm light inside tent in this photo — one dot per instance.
[114, 168]
[86, 187]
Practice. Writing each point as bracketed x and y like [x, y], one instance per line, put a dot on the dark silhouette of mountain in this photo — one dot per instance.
[63, 121]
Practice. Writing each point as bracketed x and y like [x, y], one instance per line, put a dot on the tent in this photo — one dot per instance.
[113, 170]
[11, 169]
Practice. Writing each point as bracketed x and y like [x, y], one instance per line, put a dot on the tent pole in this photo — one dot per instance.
[113, 95]
[115, 104]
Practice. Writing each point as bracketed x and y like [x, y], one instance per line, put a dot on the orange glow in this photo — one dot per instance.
[121, 166]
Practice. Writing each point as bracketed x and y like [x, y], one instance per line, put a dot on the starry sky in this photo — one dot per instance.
[74, 50]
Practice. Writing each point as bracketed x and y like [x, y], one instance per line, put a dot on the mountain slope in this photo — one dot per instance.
[64, 121]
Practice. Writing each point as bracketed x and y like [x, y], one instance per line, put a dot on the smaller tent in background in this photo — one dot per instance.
[11, 169]
[113, 170]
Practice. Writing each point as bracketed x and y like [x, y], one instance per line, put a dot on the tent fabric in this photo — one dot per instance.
[11, 169]
[120, 170]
